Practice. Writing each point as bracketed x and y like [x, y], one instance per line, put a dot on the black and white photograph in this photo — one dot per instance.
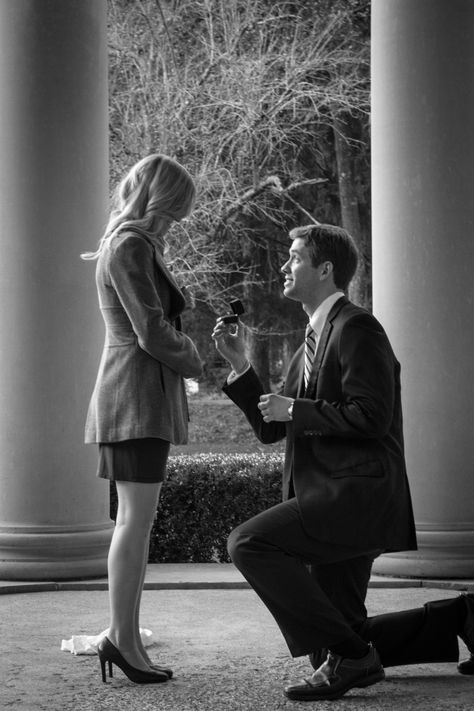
[236, 355]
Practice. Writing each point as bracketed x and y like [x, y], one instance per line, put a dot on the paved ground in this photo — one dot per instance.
[224, 646]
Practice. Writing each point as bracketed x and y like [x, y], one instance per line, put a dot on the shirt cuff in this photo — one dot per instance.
[233, 376]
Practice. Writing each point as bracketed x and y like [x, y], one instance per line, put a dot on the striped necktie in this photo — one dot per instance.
[309, 353]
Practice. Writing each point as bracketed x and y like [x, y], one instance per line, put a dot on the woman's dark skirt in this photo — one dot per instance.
[140, 460]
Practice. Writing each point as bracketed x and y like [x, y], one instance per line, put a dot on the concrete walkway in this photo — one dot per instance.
[224, 646]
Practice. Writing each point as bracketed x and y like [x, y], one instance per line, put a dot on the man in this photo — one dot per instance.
[346, 496]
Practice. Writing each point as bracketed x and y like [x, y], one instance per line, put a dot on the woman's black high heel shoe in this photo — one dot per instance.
[109, 653]
[168, 672]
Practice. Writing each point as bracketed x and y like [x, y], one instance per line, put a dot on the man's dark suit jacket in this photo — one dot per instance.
[344, 448]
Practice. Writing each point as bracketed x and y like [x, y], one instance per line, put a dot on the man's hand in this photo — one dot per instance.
[274, 407]
[229, 340]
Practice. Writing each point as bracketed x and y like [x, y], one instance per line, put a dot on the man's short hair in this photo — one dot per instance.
[327, 243]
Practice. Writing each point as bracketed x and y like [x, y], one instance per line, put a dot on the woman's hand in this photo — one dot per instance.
[229, 340]
[274, 408]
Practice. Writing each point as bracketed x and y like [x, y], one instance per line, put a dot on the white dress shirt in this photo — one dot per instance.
[319, 317]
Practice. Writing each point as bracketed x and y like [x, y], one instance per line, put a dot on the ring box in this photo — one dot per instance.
[237, 308]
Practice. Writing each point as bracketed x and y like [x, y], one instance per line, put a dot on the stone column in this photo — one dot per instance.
[423, 261]
[53, 202]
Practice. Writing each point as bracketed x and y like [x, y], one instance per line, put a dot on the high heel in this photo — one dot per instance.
[109, 653]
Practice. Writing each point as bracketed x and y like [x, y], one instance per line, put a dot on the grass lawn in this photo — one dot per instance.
[217, 425]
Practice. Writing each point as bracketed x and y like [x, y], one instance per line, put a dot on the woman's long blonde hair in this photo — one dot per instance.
[155, 188]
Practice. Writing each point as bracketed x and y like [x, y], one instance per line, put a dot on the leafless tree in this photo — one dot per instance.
[259, 100]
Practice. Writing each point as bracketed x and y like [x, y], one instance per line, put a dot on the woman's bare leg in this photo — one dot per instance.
[127, 561]
[140, 645]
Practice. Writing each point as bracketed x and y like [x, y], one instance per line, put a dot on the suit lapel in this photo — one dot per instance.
[321, 349]
[293, 378]
[165, 270]
[301, 373]
[178, 301]
[322, 344]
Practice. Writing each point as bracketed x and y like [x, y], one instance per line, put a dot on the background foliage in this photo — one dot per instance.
[266, 103]
[218, 426]
[204, 498]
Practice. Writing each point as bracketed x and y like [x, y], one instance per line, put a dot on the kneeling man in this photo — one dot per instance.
[346, 497]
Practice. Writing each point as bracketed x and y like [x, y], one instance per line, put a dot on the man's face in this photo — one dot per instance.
[302, 280]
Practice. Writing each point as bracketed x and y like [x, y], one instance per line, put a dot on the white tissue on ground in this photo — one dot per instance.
[87, 644]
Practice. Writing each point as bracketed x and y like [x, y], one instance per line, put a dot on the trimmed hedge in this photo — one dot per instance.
[204, 497]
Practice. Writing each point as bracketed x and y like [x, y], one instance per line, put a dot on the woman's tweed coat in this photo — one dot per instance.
[139, 390]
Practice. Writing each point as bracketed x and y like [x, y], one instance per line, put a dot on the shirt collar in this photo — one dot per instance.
[318, 318]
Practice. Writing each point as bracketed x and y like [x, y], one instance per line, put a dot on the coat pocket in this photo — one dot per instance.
[373, 468]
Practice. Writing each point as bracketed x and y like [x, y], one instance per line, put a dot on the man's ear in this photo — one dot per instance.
[327, 268]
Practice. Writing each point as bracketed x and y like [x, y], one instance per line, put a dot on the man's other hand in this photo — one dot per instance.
[274, 408]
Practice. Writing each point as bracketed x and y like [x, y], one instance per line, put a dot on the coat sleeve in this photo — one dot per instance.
[132, 273]
[245, 392]
[367, 376]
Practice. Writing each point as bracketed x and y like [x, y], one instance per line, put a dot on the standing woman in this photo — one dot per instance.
[138, 406]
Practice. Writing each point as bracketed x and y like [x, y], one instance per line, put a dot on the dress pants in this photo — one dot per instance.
[316, 592]
[427, 634]
[345, 583]
[274, 553]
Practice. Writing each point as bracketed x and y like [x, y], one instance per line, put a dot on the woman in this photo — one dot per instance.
[138, 406]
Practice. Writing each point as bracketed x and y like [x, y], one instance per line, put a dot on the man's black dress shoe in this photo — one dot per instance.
[467, 635]
[336, 676]
[318, 657]
[467, 665]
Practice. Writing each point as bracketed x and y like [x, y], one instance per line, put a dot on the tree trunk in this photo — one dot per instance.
[360, 290]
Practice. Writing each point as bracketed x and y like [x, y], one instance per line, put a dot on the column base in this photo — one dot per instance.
[53, 553]
[440, 554]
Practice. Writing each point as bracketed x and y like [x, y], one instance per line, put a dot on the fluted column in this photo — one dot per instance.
[423, 261]
[53, 201]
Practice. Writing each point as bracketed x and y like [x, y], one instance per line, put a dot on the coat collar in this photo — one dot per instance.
[321, 349]
[164, 269]
[178, 302]
[158, 247]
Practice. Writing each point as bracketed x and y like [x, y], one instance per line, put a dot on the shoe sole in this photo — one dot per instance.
[312, 696]
[466, 672]
[372, 679]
